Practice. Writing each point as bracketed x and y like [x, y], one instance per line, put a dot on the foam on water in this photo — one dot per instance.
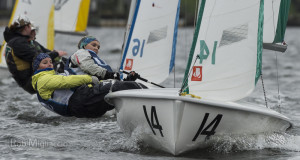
[238, 143]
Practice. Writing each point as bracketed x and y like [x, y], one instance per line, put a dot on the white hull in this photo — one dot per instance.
[177, 124]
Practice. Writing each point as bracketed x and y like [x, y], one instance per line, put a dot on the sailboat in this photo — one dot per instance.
[42, 17]
[151, 33]
[58, 16]
[224, 66]
[71, 17]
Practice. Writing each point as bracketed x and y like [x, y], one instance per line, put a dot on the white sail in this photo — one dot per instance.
[227, 44]
[150, 45]
[71, 15]
[42, 17]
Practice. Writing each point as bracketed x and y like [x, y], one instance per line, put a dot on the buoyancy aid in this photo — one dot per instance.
[58, 102]
[21, 70]
[72, 69]
[14, 62]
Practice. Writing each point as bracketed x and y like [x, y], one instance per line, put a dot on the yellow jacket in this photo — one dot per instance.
[47, 82]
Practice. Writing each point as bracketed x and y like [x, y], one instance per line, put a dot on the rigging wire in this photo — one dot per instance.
[278, 90]
[262, 80]
[186, 78]
[277, 74]
[195, 19]
[265, 95]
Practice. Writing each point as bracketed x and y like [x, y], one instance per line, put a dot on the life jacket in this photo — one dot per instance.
[72, 69]
[14, 63]
[21, 70]
[59, 101]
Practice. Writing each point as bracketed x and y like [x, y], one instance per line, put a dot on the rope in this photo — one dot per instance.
[262, 80]
[278, 87]
[192, 95]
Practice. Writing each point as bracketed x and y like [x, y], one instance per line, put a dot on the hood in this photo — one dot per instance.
[8, 35]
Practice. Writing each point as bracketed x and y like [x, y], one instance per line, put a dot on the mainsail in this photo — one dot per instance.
[71, 16]
[227, 41]
[226, 54]
[150, 45]
[42, 17]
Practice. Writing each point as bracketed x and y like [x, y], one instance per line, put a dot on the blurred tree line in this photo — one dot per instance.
[110, 10]
[119, 9]
[294, 15]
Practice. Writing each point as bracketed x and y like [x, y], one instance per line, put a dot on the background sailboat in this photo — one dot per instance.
[224, 65]
[275, 18]
[71, 16]
[60, 16]
[150, 43]
[42, 17]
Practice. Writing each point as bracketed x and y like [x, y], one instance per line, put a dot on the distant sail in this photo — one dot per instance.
[71, 16]
[275, 20]
[42, 17]
[2, 56]
[151, 41]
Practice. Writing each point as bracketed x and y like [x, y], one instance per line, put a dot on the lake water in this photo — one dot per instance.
[29, 131]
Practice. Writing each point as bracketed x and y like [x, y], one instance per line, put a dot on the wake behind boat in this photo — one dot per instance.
[224, 66]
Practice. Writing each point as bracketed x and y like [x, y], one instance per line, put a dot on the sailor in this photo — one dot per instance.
[86, 61]
[20, 51]
[59, 61]
[81, 96]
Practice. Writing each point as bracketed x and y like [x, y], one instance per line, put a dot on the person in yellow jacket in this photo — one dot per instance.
[81, 96]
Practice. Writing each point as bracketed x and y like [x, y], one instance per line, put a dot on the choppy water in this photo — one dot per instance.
[28, 131]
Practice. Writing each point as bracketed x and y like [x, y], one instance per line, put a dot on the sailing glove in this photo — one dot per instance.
[112, 75]
[95, 80]
[132, 76]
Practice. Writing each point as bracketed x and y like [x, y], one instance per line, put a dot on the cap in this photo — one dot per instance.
[34, 27]
[37, 60]
[21, 21]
